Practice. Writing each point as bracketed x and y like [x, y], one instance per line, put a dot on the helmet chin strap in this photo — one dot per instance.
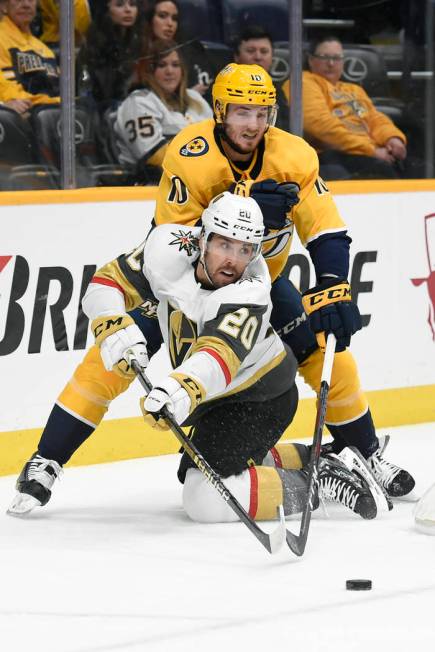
[203, 263]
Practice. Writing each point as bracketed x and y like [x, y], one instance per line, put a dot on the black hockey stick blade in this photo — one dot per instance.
[297, 542]
[273, 541]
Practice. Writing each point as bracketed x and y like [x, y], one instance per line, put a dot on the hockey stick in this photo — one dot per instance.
[273, 541]
[297, 542]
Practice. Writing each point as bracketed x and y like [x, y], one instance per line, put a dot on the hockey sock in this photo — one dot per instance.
[359, 433]
[62, 436]
[271, 487]
[287, 455]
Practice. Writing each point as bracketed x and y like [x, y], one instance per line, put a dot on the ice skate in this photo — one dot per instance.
[34, 485]
[340, 485]
[396, 481]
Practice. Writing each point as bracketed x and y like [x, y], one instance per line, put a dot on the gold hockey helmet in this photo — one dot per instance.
[243, 84]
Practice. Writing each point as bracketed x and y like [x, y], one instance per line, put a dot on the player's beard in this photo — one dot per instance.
[234, 146]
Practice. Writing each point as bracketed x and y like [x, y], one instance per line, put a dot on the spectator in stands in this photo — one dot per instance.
[113, 44]
[255, 45]
[29, 68]
[50, 10]
[340, 120]
[157, 110]
[162, 18]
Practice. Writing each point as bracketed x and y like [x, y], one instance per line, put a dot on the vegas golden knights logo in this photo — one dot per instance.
[182, 336]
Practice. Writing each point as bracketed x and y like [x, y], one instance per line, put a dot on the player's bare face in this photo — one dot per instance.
[244, 128]
[327, 61]
[168, 73]
[164, 23]
[226, 259]
[21, 12]
[123, 12]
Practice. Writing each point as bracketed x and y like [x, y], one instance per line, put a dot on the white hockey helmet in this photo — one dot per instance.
[236, 217]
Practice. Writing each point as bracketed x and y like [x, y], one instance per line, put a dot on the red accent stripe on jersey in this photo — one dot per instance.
[106, 281]
[223, 365]
[276, 457]
[253, 498]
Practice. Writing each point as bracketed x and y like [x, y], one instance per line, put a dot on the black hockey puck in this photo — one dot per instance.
[358, 585]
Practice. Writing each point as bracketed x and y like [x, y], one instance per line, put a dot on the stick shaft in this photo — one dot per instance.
[270, 542]
[298, 542]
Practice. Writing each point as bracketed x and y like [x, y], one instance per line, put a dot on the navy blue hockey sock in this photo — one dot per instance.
[359, 433]
[62, 436]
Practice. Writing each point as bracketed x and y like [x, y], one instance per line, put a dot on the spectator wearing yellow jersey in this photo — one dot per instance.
[29, 70]
[352, 137]
[50, 14]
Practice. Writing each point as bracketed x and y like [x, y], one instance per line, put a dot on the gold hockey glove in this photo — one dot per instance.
[330, 309]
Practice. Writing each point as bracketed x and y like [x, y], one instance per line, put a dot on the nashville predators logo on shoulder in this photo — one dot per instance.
[195, 147]
[186, 241]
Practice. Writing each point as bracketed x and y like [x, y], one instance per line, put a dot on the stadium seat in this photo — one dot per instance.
[364, 65]
[216, 55]
[280, 69]
[271, 15]
[200, 19]
[18, 170]
[92, 168]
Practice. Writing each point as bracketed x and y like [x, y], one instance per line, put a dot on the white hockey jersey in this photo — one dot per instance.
[221, 338]
[144, 123]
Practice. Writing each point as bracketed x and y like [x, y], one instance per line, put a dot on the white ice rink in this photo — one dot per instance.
[113, 564]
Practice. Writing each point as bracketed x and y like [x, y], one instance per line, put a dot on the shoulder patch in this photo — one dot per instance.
[186, 241]
[195, 147]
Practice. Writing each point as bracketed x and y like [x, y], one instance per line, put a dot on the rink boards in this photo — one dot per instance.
[53, 241]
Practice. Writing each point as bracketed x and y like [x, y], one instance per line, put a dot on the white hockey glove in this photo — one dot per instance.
[120, 340]
[181, 398]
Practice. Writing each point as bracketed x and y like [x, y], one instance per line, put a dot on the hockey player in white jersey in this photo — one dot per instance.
[232, 378]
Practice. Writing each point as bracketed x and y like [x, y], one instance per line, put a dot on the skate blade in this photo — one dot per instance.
[22, 504]
[412, 497]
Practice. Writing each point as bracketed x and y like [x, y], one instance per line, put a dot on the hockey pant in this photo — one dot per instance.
[233, 439]
[84, 401]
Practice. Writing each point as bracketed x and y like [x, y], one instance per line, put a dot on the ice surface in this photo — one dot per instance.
[113, 564]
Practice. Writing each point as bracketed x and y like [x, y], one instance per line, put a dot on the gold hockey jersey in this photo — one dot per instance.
[343, 117]
[196, 169]
[50, 12]
[29, 67]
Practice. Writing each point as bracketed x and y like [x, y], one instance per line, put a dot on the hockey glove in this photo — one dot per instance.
[330, 309]
[275, 199]
[181, 394]
[119, 340]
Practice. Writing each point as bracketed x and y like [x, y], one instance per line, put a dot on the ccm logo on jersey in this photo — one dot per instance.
[195, 147]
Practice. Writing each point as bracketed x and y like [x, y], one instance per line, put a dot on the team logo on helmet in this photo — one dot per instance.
[195, 147]
[186, 241]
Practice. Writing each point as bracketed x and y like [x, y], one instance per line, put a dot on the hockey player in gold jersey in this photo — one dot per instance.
[241, 150]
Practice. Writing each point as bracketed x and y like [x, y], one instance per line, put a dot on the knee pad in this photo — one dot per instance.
[259, 490]
[202, 503]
